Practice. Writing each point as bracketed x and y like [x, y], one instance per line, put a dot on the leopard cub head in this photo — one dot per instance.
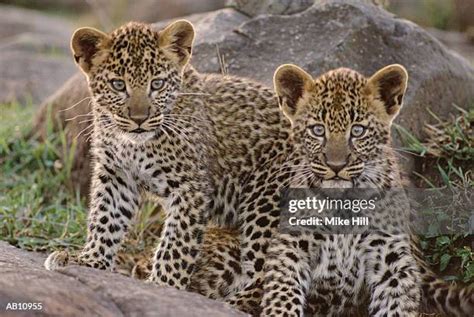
[134, 73]
[341, 122]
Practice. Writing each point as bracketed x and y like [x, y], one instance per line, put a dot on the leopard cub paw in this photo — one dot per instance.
[56, 260]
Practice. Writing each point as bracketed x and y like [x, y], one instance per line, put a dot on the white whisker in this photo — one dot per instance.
[74, 105]
[89, 114]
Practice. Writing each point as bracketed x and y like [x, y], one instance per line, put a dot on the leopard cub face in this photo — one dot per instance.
[341, 122]
[134, 74]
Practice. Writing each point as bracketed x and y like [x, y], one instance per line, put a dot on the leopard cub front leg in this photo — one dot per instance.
[114, 201]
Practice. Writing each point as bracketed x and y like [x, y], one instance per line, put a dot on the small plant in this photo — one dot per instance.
[447, 154]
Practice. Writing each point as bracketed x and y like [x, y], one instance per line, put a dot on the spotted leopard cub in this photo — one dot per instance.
[341, 139]
[165, 132]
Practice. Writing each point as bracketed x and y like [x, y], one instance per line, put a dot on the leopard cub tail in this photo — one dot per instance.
[450, 299]
[446, 298]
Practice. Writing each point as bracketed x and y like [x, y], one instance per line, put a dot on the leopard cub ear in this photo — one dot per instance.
[177, 39]
[389, 86]
[87, 44]
[290, 83]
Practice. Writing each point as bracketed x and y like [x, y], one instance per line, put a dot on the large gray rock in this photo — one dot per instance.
[329, 34]
[355, 35]
[80, 291]
[35, 59]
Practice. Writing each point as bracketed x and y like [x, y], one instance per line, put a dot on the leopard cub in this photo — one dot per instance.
[163, 131]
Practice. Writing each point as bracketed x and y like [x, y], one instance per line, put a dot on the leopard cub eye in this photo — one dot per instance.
[318, 130]
[357, 130]
[157, 84]
[118, 84]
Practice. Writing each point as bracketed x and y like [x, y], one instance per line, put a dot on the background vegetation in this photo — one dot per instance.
[445, 159]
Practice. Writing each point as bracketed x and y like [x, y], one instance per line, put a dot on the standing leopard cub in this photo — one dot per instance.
[162, 130]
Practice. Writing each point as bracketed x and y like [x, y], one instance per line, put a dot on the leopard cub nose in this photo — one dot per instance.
[139, 120]
[336, 166]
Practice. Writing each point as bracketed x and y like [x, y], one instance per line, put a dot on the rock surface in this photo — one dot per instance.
[80, 291]
[327, 35]
[253, 8]
[35, 59]
[459, 42]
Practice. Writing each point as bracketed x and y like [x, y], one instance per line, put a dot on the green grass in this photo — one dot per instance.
[447, 155]
[38, 211]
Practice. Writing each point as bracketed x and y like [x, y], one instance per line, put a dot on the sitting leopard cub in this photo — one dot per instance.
[341, 139]
[162, 130]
